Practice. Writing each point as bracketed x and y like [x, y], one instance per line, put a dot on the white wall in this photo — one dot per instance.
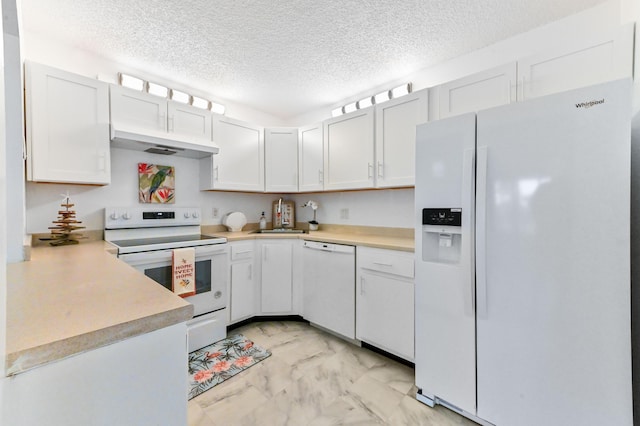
[3, 230]
[386, 208]
[14, 131]
[43, 200]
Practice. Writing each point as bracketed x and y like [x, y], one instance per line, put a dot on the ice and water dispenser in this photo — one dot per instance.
[442, 235]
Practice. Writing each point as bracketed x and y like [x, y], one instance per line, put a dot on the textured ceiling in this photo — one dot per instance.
[286, 57]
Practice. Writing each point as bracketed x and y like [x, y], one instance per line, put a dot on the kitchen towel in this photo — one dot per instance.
[183, 268]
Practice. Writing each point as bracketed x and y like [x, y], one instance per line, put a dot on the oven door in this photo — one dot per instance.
[211, 274]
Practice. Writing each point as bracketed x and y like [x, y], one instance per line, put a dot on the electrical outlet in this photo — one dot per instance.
[344, 213]
[215, 212]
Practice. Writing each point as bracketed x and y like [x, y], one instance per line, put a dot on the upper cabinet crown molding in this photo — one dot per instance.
[67, 127]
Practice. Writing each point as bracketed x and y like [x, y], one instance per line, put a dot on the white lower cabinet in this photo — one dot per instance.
[242, 300]
[276, 276]
[385, 300]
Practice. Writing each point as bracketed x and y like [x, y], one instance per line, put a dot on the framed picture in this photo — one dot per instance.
[156, 184]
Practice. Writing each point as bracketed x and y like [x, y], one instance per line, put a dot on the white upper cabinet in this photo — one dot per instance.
[588, 62]
[188, 120]
[482, 90]
[134, 109]
[349, 151]
[395, 138]
[131, 109]
[281, 159]
[67, 127]
[310, 159]
[239, 166]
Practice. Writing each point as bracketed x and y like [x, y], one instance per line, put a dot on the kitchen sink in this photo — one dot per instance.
[279, 231]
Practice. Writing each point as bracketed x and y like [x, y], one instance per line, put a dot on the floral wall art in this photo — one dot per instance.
[157, 184]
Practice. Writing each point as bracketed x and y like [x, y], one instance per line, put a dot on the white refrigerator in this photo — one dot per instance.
[522, 261]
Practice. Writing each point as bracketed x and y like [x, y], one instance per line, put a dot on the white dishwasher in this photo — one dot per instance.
[329, 286]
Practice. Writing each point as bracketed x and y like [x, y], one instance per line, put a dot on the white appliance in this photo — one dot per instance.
[145, 239]
[329, 286]
[522, 261]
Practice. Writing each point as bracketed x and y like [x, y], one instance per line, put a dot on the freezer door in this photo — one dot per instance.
[553, 193]
[444, 287]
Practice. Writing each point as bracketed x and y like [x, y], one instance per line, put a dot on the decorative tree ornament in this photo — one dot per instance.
[65, 225]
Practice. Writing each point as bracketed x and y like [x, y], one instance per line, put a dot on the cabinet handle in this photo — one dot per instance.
[370, 170]
[171, 124]
[243, 251]
[320, 176]
[215, 169]
[361, 286]
[102, 163]
[383, 264]
[380, 169]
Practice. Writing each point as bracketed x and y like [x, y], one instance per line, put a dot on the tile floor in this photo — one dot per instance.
[314, 378]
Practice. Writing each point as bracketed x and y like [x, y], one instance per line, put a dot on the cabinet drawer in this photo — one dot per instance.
[242, 251]
[387, 262]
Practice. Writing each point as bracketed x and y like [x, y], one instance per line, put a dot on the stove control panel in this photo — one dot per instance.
[150, 217]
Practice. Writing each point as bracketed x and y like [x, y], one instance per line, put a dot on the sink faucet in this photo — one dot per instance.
[279, 220]
[282, 217]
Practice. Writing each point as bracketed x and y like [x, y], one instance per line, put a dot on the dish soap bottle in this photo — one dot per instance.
[263, 222]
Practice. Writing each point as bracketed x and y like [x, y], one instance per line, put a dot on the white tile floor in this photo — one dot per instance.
[314, 378]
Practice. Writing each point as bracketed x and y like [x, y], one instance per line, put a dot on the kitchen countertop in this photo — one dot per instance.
[72, 299]
[385, 238]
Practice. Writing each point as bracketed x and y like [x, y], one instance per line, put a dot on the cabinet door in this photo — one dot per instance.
[281, 160]
[240, 163]
[569, 67]
[349, 150]
[276, 277]
[133, 109]
[242, 291]
[189, 120]
[310, 159]
[67, 118]
[396, 122]
[486, 89]
[384, 310]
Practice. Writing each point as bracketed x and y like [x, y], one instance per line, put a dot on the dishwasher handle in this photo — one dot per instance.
[334, 248]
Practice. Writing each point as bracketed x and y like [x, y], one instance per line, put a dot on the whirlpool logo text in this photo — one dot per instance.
[589, 104]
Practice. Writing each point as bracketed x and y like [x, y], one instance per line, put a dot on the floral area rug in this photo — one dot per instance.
[216, 363]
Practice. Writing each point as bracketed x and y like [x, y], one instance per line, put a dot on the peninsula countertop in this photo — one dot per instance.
[72, 299]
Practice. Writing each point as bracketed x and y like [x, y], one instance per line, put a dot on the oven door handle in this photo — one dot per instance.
[147, 257]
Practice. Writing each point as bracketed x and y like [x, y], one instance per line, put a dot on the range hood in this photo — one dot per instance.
[161, 143]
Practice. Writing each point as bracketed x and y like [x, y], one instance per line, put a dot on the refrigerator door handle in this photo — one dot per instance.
[467, 206]
[481, 232]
